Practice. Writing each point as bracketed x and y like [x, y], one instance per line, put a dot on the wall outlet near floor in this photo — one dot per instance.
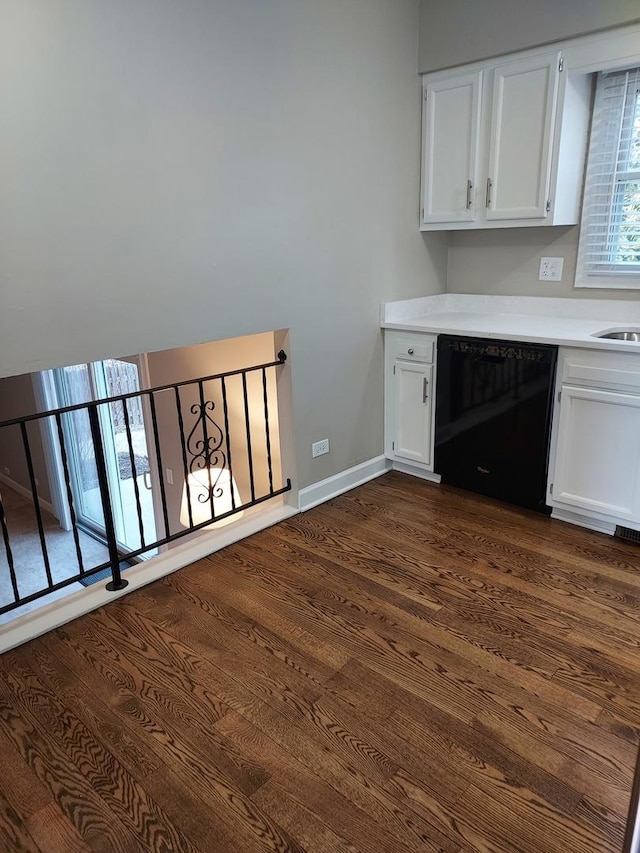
[550, 269]
[319, 448]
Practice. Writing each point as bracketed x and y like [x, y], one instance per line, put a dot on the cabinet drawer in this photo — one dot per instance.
[414, 347]
[602, 370]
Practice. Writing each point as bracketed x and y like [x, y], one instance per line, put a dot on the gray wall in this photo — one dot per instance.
[506, 261]
[453, 32]
[174, 173]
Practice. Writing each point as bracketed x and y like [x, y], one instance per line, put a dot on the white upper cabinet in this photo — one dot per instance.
[503, 144]
[451, 127]
[521, 133]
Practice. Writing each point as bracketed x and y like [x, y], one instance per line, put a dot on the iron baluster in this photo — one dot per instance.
[184, 456]
[134, 470]
[206, 453]
[156, 441]
[248, 426]
[117, 581]
[225, 409]
[266, 427]
[9, 552]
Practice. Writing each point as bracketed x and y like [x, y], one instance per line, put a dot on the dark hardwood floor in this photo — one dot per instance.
[406, 668]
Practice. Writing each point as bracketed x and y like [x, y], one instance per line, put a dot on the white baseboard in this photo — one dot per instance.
[26, 493]
[407, 468]
[343, 482]
[589, 522]
[82, 601]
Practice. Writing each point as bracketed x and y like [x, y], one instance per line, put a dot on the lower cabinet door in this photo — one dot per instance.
[412, 411]
[597, 465]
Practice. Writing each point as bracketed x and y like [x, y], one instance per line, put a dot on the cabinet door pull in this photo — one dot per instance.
[425, 383]
[410, 350]
[488, 198]
[469, 188]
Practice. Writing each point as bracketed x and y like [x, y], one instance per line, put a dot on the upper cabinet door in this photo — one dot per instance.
[451, 142]
[522, 122]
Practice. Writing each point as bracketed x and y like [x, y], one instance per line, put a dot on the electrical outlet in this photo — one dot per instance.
[170, 476]
[550, 269]
[319, 448]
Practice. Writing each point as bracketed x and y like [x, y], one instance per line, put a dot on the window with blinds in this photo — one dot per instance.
[609, 248]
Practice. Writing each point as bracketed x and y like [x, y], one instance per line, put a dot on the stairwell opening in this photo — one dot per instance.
[200, 451]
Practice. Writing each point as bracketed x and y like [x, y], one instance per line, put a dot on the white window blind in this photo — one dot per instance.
[609, 249]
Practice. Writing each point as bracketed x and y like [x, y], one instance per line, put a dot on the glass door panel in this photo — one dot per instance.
[123, 435]
[74, 386]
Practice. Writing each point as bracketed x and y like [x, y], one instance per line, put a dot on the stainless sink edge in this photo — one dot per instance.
[620, 333]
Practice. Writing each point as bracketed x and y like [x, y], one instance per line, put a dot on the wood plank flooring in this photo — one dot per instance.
[405, 668]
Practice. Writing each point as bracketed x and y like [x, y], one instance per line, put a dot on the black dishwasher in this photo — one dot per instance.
[493, 417]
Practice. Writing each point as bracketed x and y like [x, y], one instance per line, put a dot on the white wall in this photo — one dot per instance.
[453, 32]
[181, 172]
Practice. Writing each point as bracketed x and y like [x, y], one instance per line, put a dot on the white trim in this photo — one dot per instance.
[587, 521]
[26, 493]
[89, 598]
[612, 48]
[406, 468]
[323, 491]
[606, 50]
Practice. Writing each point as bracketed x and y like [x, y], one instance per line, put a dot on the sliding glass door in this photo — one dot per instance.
[125, 446]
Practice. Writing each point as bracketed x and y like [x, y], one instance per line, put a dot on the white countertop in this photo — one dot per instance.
[564, 322]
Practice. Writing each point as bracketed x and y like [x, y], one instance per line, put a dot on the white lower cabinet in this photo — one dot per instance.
[409, 398]
[412, 384]
[594, 463]
[595, 467]
[598, 455]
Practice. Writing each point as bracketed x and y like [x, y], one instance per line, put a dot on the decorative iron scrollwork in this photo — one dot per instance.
[205, 446]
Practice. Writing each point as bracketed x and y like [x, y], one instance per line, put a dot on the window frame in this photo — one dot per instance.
[593, 271]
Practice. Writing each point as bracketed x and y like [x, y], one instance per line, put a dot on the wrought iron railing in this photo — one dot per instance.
[220, 427]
